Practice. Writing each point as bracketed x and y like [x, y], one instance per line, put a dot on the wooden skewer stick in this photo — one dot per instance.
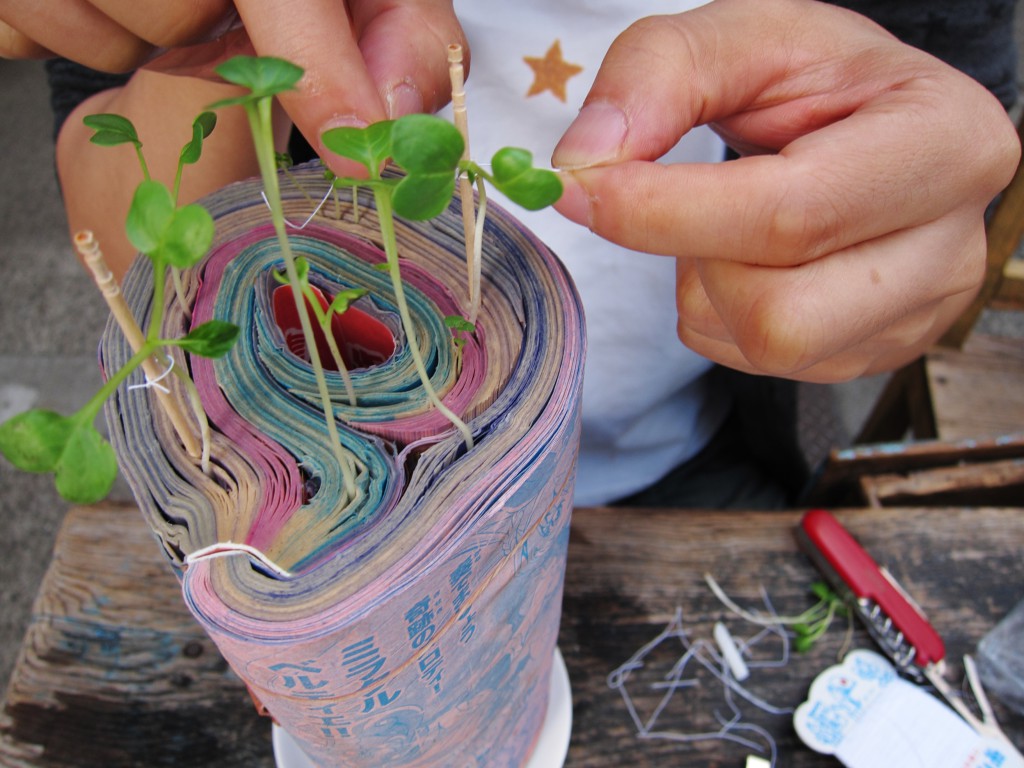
[456, 74]
[105, 281]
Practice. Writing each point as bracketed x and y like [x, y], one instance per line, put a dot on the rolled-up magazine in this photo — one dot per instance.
[416, 625]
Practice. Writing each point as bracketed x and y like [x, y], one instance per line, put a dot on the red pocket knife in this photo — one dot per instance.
[891, 617]
[894, 621]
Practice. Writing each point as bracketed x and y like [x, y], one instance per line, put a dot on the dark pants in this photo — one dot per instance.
[753, 462]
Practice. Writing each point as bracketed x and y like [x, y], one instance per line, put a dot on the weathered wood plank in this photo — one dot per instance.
[999, 481]
[630, 571]
[1011, 287]
[113, 670]
[976, 395]
[115, 673]
[842, 476]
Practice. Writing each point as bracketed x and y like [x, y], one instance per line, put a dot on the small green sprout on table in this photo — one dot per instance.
[808, 626]
[813, 622]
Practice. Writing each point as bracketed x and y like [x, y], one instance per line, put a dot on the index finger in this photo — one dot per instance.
[15, 45]
[378, 61]
[317, 35]
[76, 30]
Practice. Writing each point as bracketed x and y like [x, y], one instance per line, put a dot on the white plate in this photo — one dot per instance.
[550, 751]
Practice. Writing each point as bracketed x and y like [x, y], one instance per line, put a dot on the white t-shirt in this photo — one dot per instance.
[646, 405]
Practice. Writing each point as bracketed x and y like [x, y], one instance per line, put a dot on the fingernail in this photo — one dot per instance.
[574, 203]
[595, 137]
[404, 98]
[340, 165]
[342, 121]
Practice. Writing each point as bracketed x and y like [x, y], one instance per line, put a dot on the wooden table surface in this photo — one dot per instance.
[114, 672]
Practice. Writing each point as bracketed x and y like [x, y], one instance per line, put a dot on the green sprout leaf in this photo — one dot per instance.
[301, 269]
[264, 76]
[87, 468]
[283, 160]
[426, 144]
[343, 299]
[202, 127]
[459, 323]
[803, 643]
[213, 338]
[32, 441]
[149, 215]
[301, 272]
[428, 149]
[82, 461]
[176, 236]
[111, 130]
[188, 237]
[823, 591]
[419, 197]
[514, 174]
[461, 327]
[369, 146]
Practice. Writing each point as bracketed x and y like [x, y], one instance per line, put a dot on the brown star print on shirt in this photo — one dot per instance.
[551, 72]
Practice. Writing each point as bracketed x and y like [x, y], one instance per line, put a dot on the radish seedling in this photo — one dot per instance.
[265, 77]
[429, 151]
[70, 447]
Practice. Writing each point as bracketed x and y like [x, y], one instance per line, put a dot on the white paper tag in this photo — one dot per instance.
[868, 717]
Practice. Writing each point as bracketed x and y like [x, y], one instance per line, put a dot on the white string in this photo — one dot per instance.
[705, 654]
[155, 383]
[777, 629]
[309, 218]
[490, 166]
[751, 616]
[974, 681]
[229, 548]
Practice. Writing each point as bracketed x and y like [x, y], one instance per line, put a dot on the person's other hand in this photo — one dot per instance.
[848, 236]
[108, 35]
[364, 59]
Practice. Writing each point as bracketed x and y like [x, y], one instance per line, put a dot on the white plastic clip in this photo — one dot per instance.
[730, 652]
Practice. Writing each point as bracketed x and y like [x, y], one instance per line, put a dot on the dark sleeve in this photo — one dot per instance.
[71, 84]
[975, 36]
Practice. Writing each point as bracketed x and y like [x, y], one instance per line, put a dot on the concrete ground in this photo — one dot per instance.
[51, 318]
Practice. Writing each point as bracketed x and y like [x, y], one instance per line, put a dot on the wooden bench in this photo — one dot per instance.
[114, 673]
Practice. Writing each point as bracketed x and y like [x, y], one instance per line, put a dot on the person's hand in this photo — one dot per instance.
[848, 237]
[365, 60]
[108, 35]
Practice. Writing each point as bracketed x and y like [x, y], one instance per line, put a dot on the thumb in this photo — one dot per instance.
[785, 63]
[840, 121]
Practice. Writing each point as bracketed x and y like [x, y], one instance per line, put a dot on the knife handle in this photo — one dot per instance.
[894, 621]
